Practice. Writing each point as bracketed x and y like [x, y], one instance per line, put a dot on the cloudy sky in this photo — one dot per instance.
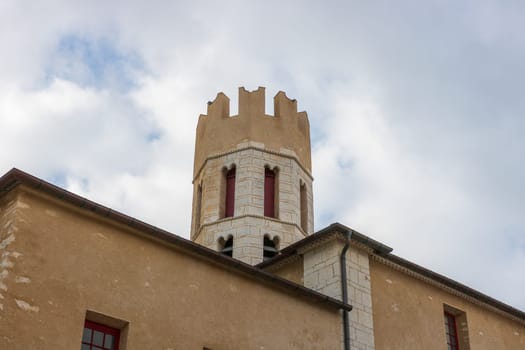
[416, 109]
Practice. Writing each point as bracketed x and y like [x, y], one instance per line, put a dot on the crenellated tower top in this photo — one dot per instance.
[252, 183]
[287, 131]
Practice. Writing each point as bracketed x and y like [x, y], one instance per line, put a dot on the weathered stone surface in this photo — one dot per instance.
[322, 272]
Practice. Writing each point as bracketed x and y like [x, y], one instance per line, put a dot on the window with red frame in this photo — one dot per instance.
[99, 337]
[269, 193]
[304, 207]
[230, 193]
[451, 332]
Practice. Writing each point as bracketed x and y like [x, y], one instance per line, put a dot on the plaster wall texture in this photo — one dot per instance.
[75, 261]
[218, 132]
[322, 272]
[9, 208]
[408, 313]
[248, 225]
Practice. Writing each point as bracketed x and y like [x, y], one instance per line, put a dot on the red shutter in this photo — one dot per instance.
[269, 193]
[230, 193]
[304, 209]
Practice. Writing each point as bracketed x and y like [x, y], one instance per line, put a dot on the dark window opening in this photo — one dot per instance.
[269, 193]
[226, 246]
[198, 208]
[269, 248]
[230, 193]
[451, 332]
[304, 207]
[99, 337]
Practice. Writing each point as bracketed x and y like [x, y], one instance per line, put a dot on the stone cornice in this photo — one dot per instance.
[256, 148]
[247, 216]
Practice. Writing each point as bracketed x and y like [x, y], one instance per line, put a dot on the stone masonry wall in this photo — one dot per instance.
[322, 273]
[248, 232]
[250, 160]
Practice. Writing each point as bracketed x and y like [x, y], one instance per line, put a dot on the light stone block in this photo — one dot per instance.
[322, 273]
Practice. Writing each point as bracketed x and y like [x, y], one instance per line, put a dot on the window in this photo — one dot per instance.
[270, 247]
[99, 337]
[226, 246]
[198, 208]
[456, 328]
[451, 331]
[269, 192]
[304, 207]
[229, 201]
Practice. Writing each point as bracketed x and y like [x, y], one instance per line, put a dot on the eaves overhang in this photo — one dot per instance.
[449, 284]
[383, 254]
[15, 178]
[335, 230]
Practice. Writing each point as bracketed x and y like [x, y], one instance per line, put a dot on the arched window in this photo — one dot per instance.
[304, 207]
[270, 247]
[270, 192]
[226, 246]
[229, 198]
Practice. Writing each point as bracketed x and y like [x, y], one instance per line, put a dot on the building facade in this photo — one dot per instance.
[254, 275]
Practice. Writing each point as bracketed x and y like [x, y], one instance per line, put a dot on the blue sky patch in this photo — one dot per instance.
[95, 62]
[153, 136]
[58, 179]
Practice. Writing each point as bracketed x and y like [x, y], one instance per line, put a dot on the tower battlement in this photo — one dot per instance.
[252, 183]
[287, 130]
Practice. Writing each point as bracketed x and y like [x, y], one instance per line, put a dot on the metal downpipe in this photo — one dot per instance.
[344, 290]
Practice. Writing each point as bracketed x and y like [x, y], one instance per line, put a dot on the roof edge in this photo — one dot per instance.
[450, 283]
[382, 251]
[335, 228]
[16, 177]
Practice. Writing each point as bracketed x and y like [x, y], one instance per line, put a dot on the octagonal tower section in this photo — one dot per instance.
[252, 184]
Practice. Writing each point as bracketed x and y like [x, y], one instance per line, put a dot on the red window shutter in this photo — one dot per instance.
[230, 193]
[304, 209]
[269, 193]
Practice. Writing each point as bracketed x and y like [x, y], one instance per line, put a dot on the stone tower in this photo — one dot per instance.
[252, 182]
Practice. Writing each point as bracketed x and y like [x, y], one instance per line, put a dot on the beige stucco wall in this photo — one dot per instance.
[69, 261]
[408, 314]
[218, 132]
[8, 232]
